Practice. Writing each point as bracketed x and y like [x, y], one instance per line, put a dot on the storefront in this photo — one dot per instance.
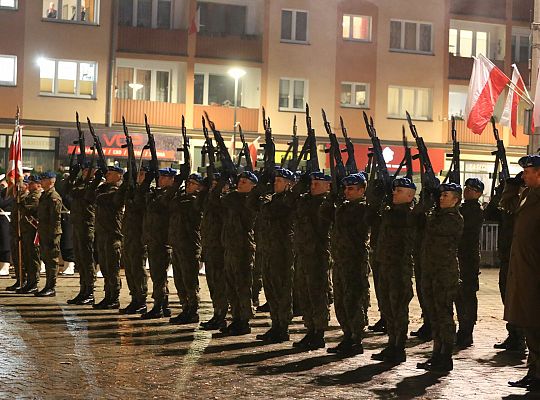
[39, 152]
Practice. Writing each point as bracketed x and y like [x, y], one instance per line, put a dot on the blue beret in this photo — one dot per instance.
[217, 175]
[115, 168]
[26, 179]
[167, 172]
[532, 160]
[48, 175]
[404, 183]
[285, 173]
[476, 184]
[249, 175]
[196, 177]
[34, 178]
[450, 187]
[354, 179]
[320, 176]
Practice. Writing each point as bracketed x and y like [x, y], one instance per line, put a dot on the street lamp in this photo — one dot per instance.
[236, 73]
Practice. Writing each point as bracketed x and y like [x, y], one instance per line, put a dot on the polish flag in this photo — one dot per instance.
[487, 83]
[253, 151]
[510, 112]
[536, 109]
[195, 24]
[14, 171]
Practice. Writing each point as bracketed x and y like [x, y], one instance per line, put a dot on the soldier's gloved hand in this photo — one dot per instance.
[185, 170]
[149, 176]
[305, 179]
[74, 171]
[99, 175]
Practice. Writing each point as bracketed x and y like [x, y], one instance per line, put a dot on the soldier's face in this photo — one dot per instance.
[245, 185]
[401, 195]
[354, 192]
[140, 176]
[113, 177]
[531, 177]
[87, 171]
[471, 194]
[281, 184]
[319, 187]
[193, 186]
[34, 186]
[448, 199]
[165, 181]
[46, 184]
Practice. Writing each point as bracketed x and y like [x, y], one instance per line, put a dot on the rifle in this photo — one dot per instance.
[269, 157]
[337, 168]
[309, 148]
[378, 164]
[350, 165]
[430, 183]
[453, 172]
[244, 152]
[407, 157]
[292, 149]
[132, 162]
[227, 165]
[81, 158]
[185, 171]
[153, 166]
[101, 163]
[500, 160]
[210, 151]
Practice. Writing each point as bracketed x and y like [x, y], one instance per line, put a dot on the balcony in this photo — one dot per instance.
[461, 67]
[479, 8]
[522, 10]
[234, 47]
[159, 113]
[223, 117]
[465, 135]
[152, 41]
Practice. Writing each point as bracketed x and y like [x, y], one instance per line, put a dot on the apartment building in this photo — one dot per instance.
[166, 58]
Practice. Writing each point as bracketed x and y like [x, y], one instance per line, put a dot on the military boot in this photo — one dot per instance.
[264, 308]
[15, 286]
[424, 332]
[114, 302]
[434, 359]
[385, 354]
[165, 307]
[514, 342]
[77, 298]
[102, 305]
[136, 306]
[241, 328]
[303, 343]
[217, 322]
[28, 288]
[344, 346]
[464, 338]
[444, 363]
[156, 311]
[282, 335]
[87, 299]
[317, 340]
[50, 284]
[269, 335]
[379, 326]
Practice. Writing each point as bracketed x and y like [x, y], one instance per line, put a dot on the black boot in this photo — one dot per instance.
[269, 335]
[217, 322]
[137, 306]
[102, 305]
[464, 338]
[282, 335]
[155, 312]
[165, 307]
[264, 308]
[50, 285]
[77, 298]
[181, 318]
[379, 326]
[434, 359]
[114, 302]
[15, 286]
[512, 343]
[385, 354]
[444, 362]
[28, 288]
[46, 292]
[87, 299]
[317, 341]
[241, 328]
[424, 332]
[303, 343]
[343, 347]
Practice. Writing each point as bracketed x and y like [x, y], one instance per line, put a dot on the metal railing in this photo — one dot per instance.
[489, 236]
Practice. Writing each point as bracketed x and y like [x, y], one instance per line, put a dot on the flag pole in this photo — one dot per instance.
[18, 198]
[523, 95]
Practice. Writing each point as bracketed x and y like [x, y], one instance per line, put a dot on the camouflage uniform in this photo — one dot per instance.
[350, 269]
[238, 241]
[30, 251]
[394, 255]
[83, 216]
[185, 239]
[257, 275]
[469, 266]
[49, 229]
[109, 213]
[213, 252]
[133, 249]
[440, 273]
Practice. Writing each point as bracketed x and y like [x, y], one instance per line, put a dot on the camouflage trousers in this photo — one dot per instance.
[49, 249]
[110, 250]
[396, 291]
[83, 249]
[31, 262]
[134, 266]
[351, 294]
[440, 291]
[186, 276]
[159, 258]
[532, 335]
[238, 270]
[277, 276]
[313, 288]
[214, 264]
[257, 277]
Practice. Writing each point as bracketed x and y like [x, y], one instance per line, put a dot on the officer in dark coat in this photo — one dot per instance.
[66, 240]
[6, 205]
[49, 230]
[440, 274]
[469, 261]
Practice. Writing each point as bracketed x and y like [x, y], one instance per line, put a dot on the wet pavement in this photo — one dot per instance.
[49, 349]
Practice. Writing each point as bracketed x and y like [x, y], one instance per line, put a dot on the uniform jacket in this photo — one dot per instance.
[350, 231]
[28, 209]
[185, 222]
[135, 207]
[522, 300]
[313, 220]
[469, 245]
[109, 211]
[212, 222]
[83, 207]
[49, 215]
[396, 236]
[156, 217]
[238, 221]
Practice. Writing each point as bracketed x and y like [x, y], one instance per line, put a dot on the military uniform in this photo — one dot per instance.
[185, 239]
[469, 269]
[30, 250]
[350, 251]
[49, 229]
[257, 275]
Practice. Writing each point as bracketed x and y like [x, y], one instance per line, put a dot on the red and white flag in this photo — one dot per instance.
[14, 170]
[195, 24]
[253, 151]
[487, 83]
[509, 115]
[536, 109]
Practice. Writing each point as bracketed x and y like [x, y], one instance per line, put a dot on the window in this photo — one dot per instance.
[218, 19]
[143, 84]
[145, 13]
[410, 36]
[71, 10]
[467, 43]
[417, 101]
[213, 89]
[292, 94]
[354, 94]
[67, 78]
[8, 4]
[294, 25]
[357, 27]
[8, 70]
[520, 48]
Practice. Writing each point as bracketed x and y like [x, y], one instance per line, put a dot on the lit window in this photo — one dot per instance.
[8, 4]
[357, 27]
[417, 101]
[354, 94]
[212, 89]
[411, 36]
[8, 70]
[71, 10]
[142, 84]
[292, 94]
[67, 78]
[467, 43]
[294, 26]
